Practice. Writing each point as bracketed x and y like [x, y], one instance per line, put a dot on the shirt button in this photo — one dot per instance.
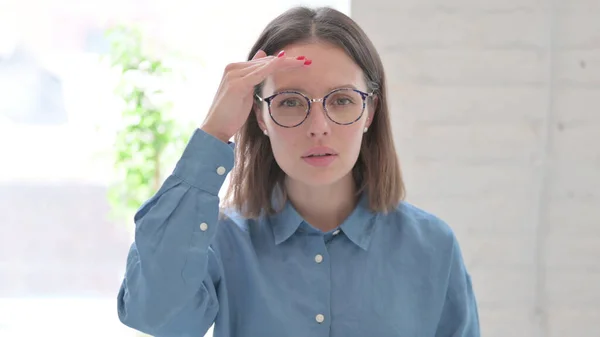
[203, 226]
[221, 170]
[320, 318]
[319, 258]
[336, 232]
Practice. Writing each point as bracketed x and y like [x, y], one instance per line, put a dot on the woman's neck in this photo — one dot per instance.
[324, 207]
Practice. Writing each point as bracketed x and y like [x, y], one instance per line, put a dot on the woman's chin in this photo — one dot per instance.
[319, 177]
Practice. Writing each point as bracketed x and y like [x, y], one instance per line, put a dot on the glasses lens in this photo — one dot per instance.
[344, 106]
[289, 109]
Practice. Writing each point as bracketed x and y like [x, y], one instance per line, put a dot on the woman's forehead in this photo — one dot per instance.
[331, 68]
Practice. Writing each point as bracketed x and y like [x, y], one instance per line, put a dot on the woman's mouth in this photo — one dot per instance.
[320, 159]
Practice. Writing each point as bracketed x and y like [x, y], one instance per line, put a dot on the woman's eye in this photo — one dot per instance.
[290, 103]
[342, 101]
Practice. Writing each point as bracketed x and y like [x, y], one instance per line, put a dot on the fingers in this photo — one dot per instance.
[238, 70]
[259, 54]
[259, 57]
[259, 72]
[250, 67]
[250, 73]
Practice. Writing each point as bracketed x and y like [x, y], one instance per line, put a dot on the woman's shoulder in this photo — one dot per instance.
[232, 217]
[234, 224]
[419, 223]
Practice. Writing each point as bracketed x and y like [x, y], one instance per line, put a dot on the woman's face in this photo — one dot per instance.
[319, 151]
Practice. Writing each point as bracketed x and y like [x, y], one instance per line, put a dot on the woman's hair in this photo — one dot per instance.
[256, 174]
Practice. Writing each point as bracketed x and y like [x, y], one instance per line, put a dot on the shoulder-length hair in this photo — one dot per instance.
[377, 172]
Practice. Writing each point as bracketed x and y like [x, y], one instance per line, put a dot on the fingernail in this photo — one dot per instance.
[300, 58]
[307, 62]
[281, 53]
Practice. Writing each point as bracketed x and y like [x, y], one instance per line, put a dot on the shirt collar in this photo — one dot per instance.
[285, 222]
[358, 227]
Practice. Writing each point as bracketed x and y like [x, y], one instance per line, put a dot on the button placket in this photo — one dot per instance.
[318, 258]
[204, 226]
[322, 275]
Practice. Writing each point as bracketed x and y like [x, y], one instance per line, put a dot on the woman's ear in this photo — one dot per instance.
[372, 108]
[259, 116]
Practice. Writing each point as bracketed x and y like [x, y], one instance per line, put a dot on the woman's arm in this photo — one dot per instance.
[460, 317]
[173, 277]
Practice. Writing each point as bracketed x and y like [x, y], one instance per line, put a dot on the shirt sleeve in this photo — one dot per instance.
[173, 277]
[460, 317]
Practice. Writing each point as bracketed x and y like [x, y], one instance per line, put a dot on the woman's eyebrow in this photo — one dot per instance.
[280, 89]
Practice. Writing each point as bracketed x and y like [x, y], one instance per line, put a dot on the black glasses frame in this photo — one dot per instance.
[309, 100]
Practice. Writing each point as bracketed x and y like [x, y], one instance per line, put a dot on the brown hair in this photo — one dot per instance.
[377, 172]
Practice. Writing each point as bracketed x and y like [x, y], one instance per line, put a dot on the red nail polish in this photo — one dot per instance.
[307, 62]
[300, 58]
[281, 53]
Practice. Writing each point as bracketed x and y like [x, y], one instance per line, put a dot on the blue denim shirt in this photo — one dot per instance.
[394, 274]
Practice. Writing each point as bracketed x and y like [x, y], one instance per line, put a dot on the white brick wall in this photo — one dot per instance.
[496, 110]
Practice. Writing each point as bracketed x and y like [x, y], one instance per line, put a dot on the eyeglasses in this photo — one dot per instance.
[291, 108]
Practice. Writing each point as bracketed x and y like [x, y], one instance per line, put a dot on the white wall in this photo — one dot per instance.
[496, 110]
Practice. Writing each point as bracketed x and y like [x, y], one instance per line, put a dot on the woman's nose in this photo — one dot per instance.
[318, 123]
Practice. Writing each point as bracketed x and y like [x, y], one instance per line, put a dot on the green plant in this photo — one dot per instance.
[148, 136]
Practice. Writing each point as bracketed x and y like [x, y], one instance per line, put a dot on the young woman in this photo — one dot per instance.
[315, 239]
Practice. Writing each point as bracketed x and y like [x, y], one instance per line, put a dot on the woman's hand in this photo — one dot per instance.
[233, 101]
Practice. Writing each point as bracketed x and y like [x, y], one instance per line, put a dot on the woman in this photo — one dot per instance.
[315, 240]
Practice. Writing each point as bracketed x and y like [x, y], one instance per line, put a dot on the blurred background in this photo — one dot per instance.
[496, 113]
